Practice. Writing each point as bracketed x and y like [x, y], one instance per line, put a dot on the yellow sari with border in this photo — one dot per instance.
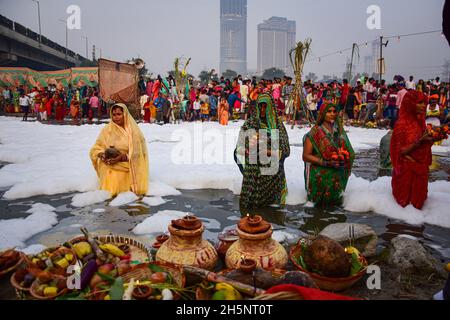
[131, 175]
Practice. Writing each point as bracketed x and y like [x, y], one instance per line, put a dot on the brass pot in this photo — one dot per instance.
[186, 247]
[267, 252]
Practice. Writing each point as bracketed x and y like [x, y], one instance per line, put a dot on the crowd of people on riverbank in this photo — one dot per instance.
[368, 103]
[52, 104]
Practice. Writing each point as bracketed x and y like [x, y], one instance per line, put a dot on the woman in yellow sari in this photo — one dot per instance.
[127, 171]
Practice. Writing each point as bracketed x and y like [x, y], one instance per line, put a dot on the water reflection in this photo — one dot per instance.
[223, 206]
[440, 168]
[318, 219]
[137, 210]
[395, 229]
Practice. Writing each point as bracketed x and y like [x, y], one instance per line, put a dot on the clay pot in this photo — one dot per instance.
[162, 238]
[247, 265]
[186, 247]
[255, 224]
[225, 241]
[267, 252]
[188, 222]
[142, 292]
[254, 220]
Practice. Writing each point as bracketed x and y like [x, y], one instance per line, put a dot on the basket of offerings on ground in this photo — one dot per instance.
[331, 266]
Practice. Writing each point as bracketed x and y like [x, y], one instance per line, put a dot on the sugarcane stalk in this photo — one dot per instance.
[98, 252]
[214, 277]
[301, 52]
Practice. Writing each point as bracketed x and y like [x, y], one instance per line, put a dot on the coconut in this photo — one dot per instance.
[327, 257]
[111, 153]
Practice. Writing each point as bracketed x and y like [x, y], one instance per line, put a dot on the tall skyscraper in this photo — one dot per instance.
[233, 36]
[276, 37]
[371, 61]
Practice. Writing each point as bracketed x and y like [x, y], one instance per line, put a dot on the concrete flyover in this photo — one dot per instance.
[20, 47]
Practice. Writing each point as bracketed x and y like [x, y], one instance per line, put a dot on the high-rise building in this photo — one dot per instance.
[233, 36]
[276, 38]
[371, 61]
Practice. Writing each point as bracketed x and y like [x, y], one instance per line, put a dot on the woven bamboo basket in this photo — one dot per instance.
[139, 251]
[19, 289]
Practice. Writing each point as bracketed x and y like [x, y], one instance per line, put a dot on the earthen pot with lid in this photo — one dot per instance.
[255, 242]
[186, 246]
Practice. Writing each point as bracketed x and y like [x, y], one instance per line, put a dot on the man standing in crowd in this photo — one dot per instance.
[94, 104]
[159, 103]
[410, 85]
[285, 94]
[24, 103]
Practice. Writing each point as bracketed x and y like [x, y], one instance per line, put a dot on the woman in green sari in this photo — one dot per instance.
[262, 147]
[328, 157]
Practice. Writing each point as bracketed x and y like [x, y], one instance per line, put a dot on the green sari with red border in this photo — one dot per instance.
[325, 185]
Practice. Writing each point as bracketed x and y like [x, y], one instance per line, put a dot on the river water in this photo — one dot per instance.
[219, 209]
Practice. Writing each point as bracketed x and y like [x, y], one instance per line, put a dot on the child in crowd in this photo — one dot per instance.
[205, 111]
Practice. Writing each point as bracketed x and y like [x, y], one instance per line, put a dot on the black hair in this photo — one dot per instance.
[116, 106]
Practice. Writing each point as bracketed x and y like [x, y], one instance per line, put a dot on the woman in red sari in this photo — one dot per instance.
[411, 152]
[147, 110]
[49, 106]
[60, 112]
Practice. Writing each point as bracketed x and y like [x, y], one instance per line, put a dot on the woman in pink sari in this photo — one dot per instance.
[149, 89]
[276, 94]
[192, 95]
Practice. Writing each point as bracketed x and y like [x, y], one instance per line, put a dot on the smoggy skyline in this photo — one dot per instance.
[160, 31]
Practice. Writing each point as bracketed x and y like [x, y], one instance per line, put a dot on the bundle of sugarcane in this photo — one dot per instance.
[298, 58]
[180, 76]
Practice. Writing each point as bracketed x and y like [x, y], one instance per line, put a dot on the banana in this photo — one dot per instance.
[50, 291]
[224, 286]
[69, 257]
[112, 249]
[351, 250]
[224, 291]
[82, 249]
[63, 263]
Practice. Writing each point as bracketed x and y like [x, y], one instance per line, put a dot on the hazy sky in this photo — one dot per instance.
[158, 31]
